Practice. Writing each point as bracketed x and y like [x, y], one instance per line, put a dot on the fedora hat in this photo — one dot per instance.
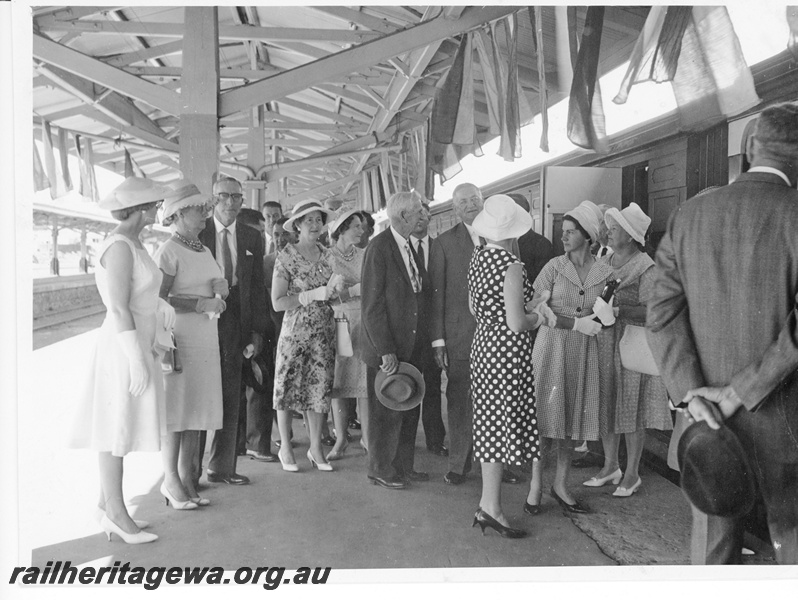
[257, 373]
[133, 191]
[633, 220]
[502, 219]
[716, 475]
[182, 194]
[302, 208]
[403, 390]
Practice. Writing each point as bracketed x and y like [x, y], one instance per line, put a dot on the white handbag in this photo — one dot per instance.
[635, 353]
[343, 341]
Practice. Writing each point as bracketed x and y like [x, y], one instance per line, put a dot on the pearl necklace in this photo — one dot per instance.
[346, 257]
[195, 245]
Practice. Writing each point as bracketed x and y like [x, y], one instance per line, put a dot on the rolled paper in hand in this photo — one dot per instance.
[249, 351]
[212, 314]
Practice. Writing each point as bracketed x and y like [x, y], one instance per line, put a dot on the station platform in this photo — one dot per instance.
[312, 518]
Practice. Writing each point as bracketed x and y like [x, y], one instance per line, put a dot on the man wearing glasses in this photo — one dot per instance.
[239, 254]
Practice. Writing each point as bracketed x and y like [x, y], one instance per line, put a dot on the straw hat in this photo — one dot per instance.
[181, 195]
[302, 208]
[133, 191]
[343, 215]
[502, 219]
[586, 217]
[403, 390]
[632, 218]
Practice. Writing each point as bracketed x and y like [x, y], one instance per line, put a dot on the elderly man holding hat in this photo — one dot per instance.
[238, 251]
[502, 381]
[566, 355]
[631, 401]
[121, 406]
[723, 327]
[194, 286]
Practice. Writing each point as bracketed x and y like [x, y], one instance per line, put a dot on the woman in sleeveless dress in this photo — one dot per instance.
[502, 380]
[122, 405]
[194, 286]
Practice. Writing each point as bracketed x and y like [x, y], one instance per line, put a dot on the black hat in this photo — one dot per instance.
[257, 373]
[403, 390]
[717, 477]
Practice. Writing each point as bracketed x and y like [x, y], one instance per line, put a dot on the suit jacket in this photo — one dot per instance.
[254, 310]
[390, 308]
[724, 306]
[534, 251]
[452, 321]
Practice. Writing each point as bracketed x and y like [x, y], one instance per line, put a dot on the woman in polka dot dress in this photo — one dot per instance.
[502, 382]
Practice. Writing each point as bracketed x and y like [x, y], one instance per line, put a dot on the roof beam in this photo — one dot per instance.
[358, 57]
[358, 18]
[97, 71]
[226, 32]
[322, 189]
[122, 60]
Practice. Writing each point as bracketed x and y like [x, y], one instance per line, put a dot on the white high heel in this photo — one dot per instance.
[142, 537]
[176, 504]
[291, 468]
[200, 501]
[99, 513]
[622, 492]
[615, 477]
[318, 465]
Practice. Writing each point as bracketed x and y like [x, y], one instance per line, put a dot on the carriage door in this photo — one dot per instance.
[563, 188]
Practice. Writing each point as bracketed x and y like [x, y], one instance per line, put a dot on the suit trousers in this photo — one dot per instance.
[260, 417]
[434, 430]
[460, 412]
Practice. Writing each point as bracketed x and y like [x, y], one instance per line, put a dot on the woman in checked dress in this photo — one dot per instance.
[502, 381]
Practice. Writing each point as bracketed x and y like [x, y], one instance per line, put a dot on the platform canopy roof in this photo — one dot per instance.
[340, 86]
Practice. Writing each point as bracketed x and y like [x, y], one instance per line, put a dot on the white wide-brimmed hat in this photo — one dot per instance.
[182, 194]
[586, 217]
[133, 191]
[302, 208]
[502, 219]
[340, 217]
[633, 220]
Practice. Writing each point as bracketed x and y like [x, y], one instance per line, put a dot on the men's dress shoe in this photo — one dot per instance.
[354, 424]
[572, 508]
[438, 449]
[509, 477]
[328, 441]
[254, 455]
[232, 479]
[391, 483]
[453, 478]
[415, 476]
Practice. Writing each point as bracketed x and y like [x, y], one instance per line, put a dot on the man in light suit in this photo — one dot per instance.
[394, 307]
[723, 327]
[239, 253]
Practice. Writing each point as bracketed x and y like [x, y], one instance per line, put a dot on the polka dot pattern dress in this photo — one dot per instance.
[502, 380]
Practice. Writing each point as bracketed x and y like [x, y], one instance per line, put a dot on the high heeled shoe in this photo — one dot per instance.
[533, 509]
[291, 468]
[615, 477]
[200, 501]
[176, 504]
[622, 492]
[572, 508]
[337, 454]
[141, 537]
[484, 520]
[363, 445]
[318, 465]
[99, 513]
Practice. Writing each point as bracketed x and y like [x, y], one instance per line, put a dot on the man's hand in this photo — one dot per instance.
[256, 340]
[441, 357]
[724, 398]
[702, 410]
[390, 364]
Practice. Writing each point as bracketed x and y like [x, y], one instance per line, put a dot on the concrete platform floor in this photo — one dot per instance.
[313, 518]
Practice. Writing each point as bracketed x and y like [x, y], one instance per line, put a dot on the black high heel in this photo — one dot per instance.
[485, 520]
[572, 508]
[533, 509]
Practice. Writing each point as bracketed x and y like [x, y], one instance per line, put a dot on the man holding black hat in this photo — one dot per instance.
[723, 327]
[394, 305]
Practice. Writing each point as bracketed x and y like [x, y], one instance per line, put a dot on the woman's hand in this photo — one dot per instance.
[168, 313]
[354, 290]
[210, 305]
[545, 314]
[335, 284]
[139, 376]
[587, 326]
[604, 311]
[220, 287]
[320, 294]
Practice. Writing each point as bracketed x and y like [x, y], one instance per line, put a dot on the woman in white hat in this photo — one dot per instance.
[346, 231]
[566, 355]
[502, 380]
[302, 286]
[193, 284]
[631, 401]
[122, 406]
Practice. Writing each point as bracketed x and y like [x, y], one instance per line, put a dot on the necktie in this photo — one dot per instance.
[422, 263]
[227, 257]
[414, 278]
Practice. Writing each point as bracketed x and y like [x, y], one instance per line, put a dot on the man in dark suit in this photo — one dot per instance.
[394, 312]
[534, 250]
[723, 327]
[272, 211]
[239, 253]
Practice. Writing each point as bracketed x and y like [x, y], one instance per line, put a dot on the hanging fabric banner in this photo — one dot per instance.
[49, 160]
[585, 110]
[87, 187]
[482, 43]
[63, 156]
[510, 143]
[364, 192]
[40, 181]
[536, 18]
[444, 114]
[128, 165]
[464, 128]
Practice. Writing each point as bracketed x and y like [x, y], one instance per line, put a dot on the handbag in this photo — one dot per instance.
[343, 341]
[635, 352]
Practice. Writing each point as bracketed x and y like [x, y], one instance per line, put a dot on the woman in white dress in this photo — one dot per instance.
[122, 405]
[194, 286]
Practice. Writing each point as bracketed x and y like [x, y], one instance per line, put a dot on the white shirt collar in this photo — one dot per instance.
[400, 239]
[218, 224]
[473, 233]
[772, 171]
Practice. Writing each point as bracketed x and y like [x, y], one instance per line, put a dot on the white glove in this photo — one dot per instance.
[320, 294]
[139, 376]
[336, 284]
[220, 287]
[210, 305]
[168, 314]
[587, 326]
[354, 290]
[545, 314]
[604, 311]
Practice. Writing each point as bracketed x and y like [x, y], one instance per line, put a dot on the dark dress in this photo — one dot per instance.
[502, 380]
